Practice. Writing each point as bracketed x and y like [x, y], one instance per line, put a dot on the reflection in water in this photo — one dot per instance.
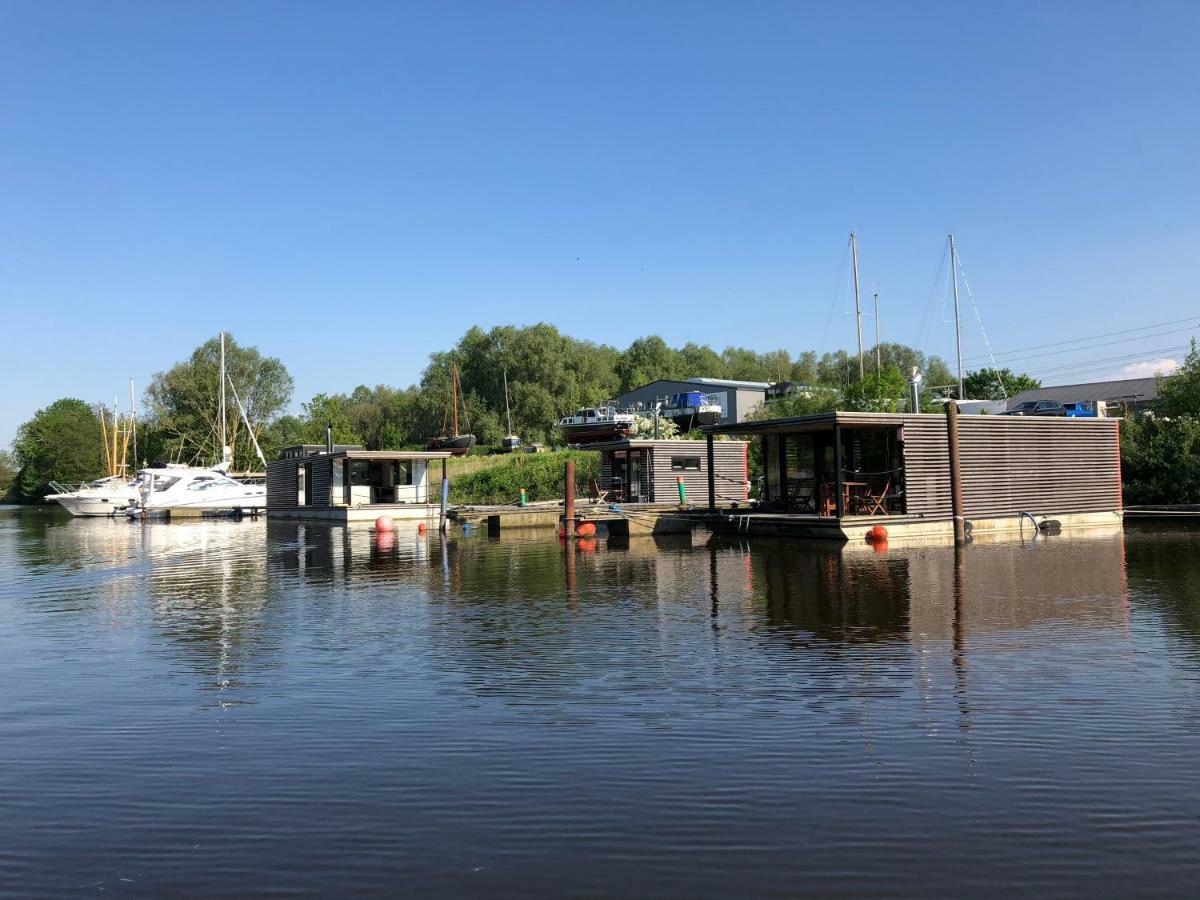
[475, 715]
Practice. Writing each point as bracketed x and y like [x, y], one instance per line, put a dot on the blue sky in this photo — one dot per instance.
[350, 186]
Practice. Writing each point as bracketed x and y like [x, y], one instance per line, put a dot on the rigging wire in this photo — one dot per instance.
[1100, 363]
[933, 294]
[982, 331]
[836, 292]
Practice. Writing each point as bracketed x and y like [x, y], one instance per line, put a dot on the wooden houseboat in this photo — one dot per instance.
[837, 475]
[648, 471]
[350, 484]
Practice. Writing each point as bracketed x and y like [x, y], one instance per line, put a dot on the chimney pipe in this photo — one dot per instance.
[328, 437]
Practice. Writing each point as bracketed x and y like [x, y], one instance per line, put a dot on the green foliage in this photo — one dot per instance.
[62, 442]
[1179, 394]
[882, 392]
[985, 384]
[8, 477]
[541, 474]
[1160, 460]
[805, 403]
[184, 402]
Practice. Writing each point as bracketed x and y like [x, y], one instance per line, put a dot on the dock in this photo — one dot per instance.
[619, 518]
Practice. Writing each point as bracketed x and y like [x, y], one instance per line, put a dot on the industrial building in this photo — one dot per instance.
[737, 399]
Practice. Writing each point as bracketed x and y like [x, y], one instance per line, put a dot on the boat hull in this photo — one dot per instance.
[93, 507]
[458, 445]
[593, 434]
[687, 419]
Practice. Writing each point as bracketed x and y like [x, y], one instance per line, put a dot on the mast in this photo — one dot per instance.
[507, 409]
[454, 394]
[957, 320]
[133, 422]
[222, 407]
[857, 302]
[878, 356]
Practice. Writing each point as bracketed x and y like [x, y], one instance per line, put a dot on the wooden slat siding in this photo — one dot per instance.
[1014, 464]
[322, 476]
[283, 485]
[730, 472]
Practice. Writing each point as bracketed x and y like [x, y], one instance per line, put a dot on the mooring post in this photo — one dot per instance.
[712, 476]
[956, 497]
[569, 510]
[444, 521]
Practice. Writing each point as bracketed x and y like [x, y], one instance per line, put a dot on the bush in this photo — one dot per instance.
[541, 474]
[1160, 460]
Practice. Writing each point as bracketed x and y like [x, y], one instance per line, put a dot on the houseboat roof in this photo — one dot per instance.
[827, 420]
[378, 455]
[642, 443]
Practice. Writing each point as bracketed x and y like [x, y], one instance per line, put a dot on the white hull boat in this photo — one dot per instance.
[185, 489]
[105, 497]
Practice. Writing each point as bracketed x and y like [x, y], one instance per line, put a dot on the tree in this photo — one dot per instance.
[184, 401]
[1160, 459]
[1179, 394]
[62, 442]
[997, 384]
[877, 392]
[8, 476]
[648, 359]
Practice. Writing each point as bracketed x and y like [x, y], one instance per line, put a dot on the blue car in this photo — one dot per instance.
[1080, 410]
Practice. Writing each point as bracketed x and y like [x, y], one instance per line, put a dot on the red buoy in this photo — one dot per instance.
[878, 533]
[421, 527]
[585, 529]
[385, 523]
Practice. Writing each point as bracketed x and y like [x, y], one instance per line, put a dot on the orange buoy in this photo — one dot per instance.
[385, 523]
[878, 533]
[421, 528]
[586, 529]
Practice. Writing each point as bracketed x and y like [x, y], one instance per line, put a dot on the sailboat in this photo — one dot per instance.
[511, 441]
[207, 490]
[457, 444]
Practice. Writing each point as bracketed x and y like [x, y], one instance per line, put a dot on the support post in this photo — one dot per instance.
[839, 490]
[712, 476]
[444, 521]
[956, 497]
[569, 504]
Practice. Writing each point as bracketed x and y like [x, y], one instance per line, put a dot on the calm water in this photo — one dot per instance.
[243, 708]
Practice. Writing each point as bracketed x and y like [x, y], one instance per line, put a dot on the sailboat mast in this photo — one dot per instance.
[957, 320]
[133, 422]
[454, 394]
[222, 408]
[507, 408]
[857, 303]
[878, 356]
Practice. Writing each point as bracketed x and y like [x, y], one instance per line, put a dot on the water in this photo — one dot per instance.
[230, 709]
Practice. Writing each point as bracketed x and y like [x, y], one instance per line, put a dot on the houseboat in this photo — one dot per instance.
[839, 474]
[648, 471]
[351, 484]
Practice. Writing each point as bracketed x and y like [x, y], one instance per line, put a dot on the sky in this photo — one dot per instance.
[350, 186]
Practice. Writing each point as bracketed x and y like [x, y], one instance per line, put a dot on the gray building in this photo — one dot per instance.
[1131, 394]
[737, 398]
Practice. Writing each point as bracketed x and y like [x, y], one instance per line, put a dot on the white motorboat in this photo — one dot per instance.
[103, 497]
[596, 423]
[189, 489]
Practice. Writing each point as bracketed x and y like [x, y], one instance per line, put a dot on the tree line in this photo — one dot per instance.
[550, 374]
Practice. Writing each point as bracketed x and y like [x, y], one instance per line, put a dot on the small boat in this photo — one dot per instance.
[690, 410]
[457, 444]
[103, 497]
[596, 423]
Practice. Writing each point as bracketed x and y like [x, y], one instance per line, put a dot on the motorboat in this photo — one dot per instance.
[199, 490]
[690, 410]
[596, 423]
[103, 497]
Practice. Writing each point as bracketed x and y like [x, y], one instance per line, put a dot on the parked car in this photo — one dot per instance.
[1038, 408]
[1081, 410]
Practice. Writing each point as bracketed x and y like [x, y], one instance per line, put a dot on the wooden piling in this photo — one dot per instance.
[569, 506]
[956, 496]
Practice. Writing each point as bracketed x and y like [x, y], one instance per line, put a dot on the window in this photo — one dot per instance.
[685, 464]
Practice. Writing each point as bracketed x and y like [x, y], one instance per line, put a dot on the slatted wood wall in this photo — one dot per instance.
[283, 485]
[730, 459]
[1014, 464]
